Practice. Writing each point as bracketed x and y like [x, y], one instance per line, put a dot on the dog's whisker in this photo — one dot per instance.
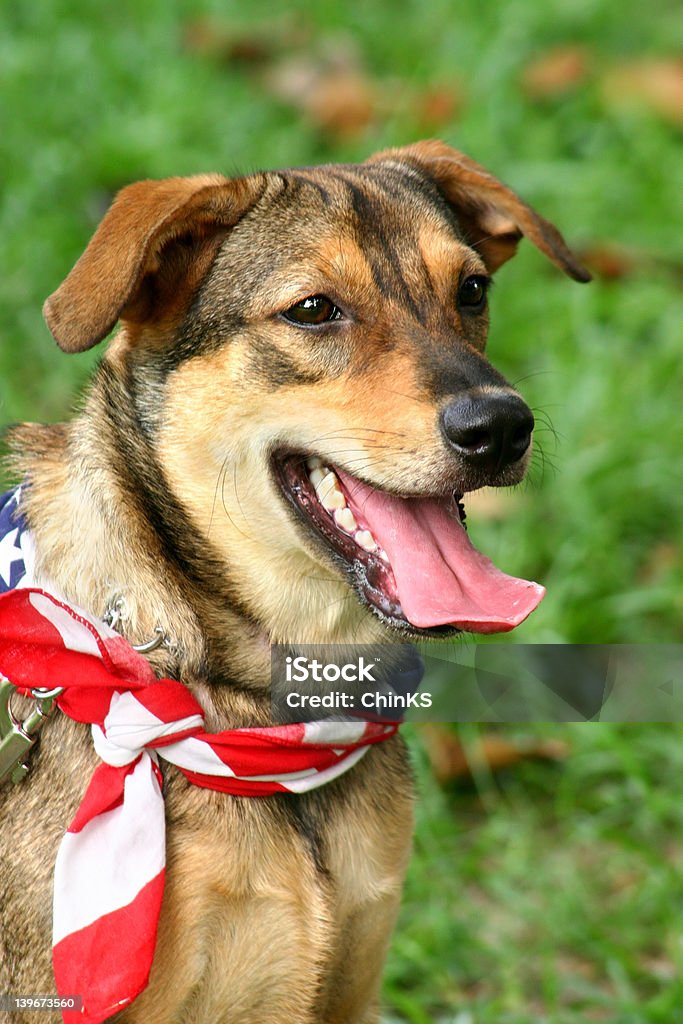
[237, 497]
[338, 600]
[359, 465]
[349, 451]
[542, 414]
[345, 431]
[345, 451]
[215, 496]
[318, 579]
[372, 447]
[400, 394]
[528, 376]
[225, 509]
[539, 461]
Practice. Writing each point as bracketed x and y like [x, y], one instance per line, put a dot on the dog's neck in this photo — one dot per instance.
[106, 527]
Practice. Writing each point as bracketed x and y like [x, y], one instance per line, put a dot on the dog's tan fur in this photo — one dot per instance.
[276, 909]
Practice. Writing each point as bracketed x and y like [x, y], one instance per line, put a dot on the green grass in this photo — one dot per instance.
[553, 896]
[556, 896]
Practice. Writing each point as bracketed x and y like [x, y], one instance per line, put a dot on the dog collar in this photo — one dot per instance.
[17, 559]
[115, 615]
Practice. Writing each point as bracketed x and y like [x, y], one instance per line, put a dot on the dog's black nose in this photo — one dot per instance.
[489, 430]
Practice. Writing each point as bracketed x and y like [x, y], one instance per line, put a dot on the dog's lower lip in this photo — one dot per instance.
[321, 503]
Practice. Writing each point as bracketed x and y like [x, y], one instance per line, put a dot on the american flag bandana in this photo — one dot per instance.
[109, 874]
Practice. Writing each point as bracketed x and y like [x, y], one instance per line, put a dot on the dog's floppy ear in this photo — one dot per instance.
[492, 217]
[133, 245]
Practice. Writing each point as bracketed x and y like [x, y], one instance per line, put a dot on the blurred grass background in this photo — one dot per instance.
[550, 893]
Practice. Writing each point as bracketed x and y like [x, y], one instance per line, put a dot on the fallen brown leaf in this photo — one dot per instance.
[609, 261]
[654, 84]
[614, 262]
[661, 967]
[437, 106]
[451, 761]
[662, 558]
[330, 87]
[342, 104]
[218, 40]
[208, 37]
[556, 72]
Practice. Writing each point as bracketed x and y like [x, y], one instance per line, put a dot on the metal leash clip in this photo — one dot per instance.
[18, 737]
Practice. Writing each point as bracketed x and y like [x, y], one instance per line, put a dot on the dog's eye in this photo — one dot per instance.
[472, 292]
[316, 309]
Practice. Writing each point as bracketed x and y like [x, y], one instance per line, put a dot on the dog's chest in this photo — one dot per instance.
[262, 895]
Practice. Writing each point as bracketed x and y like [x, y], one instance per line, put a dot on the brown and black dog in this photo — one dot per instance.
[283, 336]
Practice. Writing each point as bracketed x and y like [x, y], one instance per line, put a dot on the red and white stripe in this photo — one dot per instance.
[109, 874]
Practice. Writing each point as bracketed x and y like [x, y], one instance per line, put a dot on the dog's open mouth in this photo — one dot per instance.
[410, 559]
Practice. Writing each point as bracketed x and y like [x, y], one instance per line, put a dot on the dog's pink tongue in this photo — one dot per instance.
[440, 576]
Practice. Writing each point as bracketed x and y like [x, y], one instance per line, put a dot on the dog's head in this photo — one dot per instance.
[304, 354]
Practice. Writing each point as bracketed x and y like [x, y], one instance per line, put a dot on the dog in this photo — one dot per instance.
[274, 449]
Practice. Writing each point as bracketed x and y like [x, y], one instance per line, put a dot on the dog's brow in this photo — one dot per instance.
[378, 248]
[304, 179]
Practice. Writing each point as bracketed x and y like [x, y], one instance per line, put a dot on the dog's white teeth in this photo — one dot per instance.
[326, 484]
[365, 540]
[329, 492]
[345, 520]
[333, 500]
[317, 475]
